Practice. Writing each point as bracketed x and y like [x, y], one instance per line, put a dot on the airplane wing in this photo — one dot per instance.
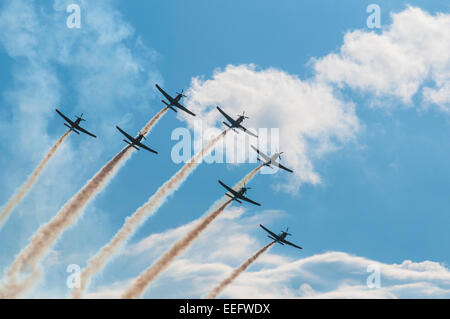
[273, 234]
[266, 158]
[282, 167]
[131, 138]
[289, 243]
[84, 131]
[229, 118]
[285, 168]
[247, 131]
[249, 200]
[146, 147]
[232, 191]
[167, 96]
[64, 117]
[181, 107]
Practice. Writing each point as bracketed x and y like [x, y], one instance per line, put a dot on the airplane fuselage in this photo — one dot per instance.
[272, 160]
[240, 193]
[237, 122]
[139, 138]
[175, 100]
[279, 238]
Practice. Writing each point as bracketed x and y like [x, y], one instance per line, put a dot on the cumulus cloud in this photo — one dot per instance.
[312, 121]
[409, 54]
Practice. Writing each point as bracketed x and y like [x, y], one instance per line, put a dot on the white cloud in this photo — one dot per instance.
[322, 275]
[410, 53]
[311, 119]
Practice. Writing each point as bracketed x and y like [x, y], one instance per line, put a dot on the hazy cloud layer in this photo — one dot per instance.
[320, 275]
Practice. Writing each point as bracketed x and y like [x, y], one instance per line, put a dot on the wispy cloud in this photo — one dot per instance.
[96, 69]
[330, 274]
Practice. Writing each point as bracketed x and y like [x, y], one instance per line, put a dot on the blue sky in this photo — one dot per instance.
[383, 190]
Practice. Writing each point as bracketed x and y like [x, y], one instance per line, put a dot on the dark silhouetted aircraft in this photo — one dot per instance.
[235, 123]
[238, 195]
[75, 126]
[271, 160]
[174, 101]
[133, 141]
[280, 238]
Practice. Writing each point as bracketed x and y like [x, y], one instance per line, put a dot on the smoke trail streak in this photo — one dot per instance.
[153, 121]
[144, 279]
[13, 288]
[23, 191]
[216, 291]
[97, 262]
[45, 237]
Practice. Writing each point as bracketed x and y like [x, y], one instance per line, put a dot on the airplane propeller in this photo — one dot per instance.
[243, 115]
[181, 93]
[81, 117]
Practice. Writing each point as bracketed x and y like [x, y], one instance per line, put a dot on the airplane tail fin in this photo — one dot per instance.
[265, 164]
[233, 198]
[134, 146]
[71, 128]
[169, 106]
[276, 240]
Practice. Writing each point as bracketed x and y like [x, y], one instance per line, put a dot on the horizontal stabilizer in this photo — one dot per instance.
[134, 146]
[169, 106]
[71, 128]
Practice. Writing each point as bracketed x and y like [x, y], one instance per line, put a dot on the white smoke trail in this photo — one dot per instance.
[216, 291]
[97, 262]
[46, 236]
[141, 283]
[14, 287]
[26, 187]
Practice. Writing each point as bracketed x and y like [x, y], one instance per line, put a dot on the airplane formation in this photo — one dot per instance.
[233, 124]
